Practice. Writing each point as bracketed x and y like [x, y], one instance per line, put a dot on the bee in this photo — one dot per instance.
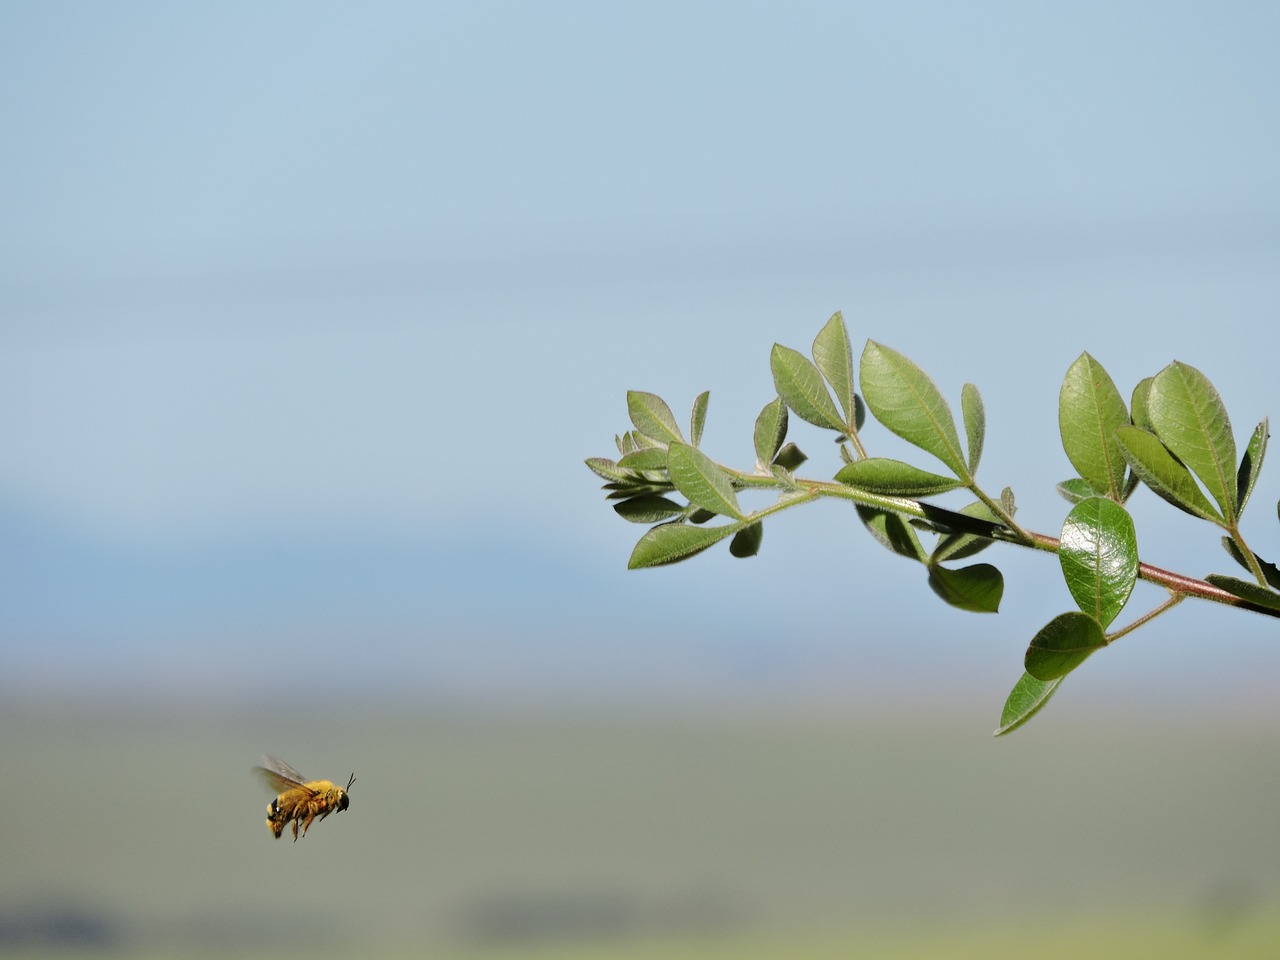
[300, 800]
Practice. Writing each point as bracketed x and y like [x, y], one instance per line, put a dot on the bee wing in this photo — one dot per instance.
[279, 775]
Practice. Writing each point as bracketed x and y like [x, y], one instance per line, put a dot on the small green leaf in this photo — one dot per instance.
[702, 480]
[977, 588]
[648, 508]
[893, 532]
[1191, 421]
[771, 430]
[1164, 474]
[834, 358]
[651, 458]
[1246, 590]
[1098, 552]
[904, 399]
[1008, 501]
[746, 542]
[1270, 572]
[1138, 404]
[1089, 410]
[698, 420]
[1251, 463]
[958, 546]
[975, 423]
[1027, 698]
[652, 417]
[1075, 490]
[1063, 644]
[789, 457]
[607, 469]
[894, 478]
[800, 386]
[673, 542]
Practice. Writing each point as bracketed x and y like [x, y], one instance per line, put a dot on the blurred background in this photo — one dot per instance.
[309, 315]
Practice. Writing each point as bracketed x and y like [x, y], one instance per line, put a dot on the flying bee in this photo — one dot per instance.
[300, 800]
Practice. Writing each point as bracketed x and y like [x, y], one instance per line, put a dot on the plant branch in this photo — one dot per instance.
[1169, 603]
[1177, 583]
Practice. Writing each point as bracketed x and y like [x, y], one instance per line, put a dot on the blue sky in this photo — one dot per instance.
[309, 314]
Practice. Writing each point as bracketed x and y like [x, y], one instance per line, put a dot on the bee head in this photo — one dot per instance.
[345, 801]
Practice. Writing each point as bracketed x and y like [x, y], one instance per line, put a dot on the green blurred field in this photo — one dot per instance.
[512, 834]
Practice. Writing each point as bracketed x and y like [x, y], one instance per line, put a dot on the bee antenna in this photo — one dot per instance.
[351, 781]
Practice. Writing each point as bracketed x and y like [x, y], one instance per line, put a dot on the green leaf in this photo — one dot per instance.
[702, 480]
[771, 430]
[958, 546]
[894, 478]
[1191, 421]
[1089, 410]
[1164, 474]
[975, 423]
[789, 457]
[1098, 552]
[1251, 464]
[698, 420]
[1008, 502]
[800, 386]
[1063, 644]
[904, 399]
[652, 417]
[607, 469]
[648, 508]
[652, 458]
[834, 358]
[746, 542]
[976, 588]
[1138, 404]
[1246, 590]
[673, 542]
[1076, 489]
[1270, 572]
[893, 532]
[1027, 698]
